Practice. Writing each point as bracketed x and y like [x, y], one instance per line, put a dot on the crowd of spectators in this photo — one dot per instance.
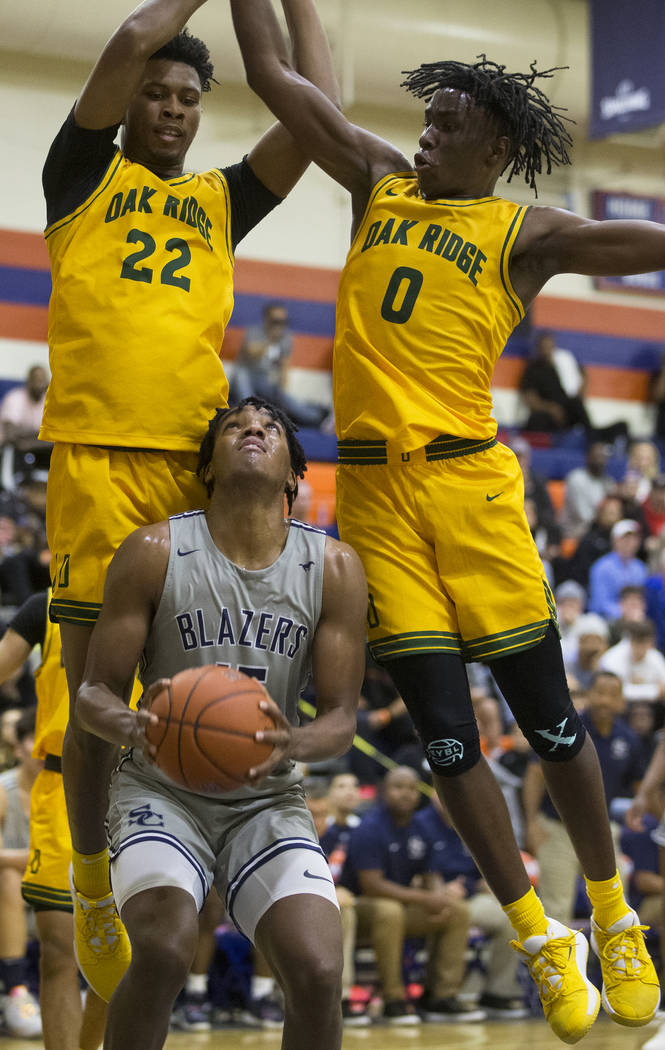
[411, 898]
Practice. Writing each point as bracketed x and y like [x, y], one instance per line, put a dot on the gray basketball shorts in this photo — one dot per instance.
[255, 851]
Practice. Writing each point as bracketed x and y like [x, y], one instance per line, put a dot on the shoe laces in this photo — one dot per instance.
[625, 952]
[549, 964]
[101, 926]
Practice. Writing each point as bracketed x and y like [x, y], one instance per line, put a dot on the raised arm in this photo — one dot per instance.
[133, 588]
[554, 241]
[349, 154]
[338, 666]
[119, 68]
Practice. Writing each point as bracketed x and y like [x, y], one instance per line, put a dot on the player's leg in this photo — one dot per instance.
[301, 937]
[65, 1025]
[534, 683]
[163, 928]
[193, 1012]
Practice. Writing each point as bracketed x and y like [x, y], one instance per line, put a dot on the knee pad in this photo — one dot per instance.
[435, 689]
[534, 685]
[555, 735]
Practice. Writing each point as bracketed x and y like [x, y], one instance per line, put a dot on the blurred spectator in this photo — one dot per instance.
[636, 661]
[343, 799]
[655, 601]
[594, 543]
[535, 485]
[570, 599]
[653, 509]
[620, 757]
[633, 606]
[644, 460]
[616, 570]
[592, 638]
[646, 886]
[20, 1009]
[261, 368]
[383, 721]
[585, 487]
[656, 395]
[22, 407]
[389, 869]
[546, 536]
[627, 489]
[642, 716]
[501, 994]
[547, 379]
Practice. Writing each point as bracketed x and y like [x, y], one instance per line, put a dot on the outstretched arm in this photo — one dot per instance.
[554, 241]
[298, 98]
[120, 66]
[338, 666]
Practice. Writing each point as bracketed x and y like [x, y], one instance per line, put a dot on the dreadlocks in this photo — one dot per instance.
[534, 126]
[296, 451]
[193, 52]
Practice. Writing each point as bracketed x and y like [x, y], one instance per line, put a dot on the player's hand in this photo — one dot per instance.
[143, 718]
[281, 737]
[634, 815]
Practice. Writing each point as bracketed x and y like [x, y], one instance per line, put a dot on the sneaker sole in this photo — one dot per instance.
[627, 1022]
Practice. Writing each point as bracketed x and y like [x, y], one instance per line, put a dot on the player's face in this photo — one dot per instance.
[457, 155]
[163, 116]
[251, 441]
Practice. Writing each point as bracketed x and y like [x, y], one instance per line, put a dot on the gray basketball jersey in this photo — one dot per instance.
[260, 621]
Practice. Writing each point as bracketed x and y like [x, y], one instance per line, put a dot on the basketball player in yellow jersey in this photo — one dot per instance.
[142, 255]
[45, 883]
[439, 271]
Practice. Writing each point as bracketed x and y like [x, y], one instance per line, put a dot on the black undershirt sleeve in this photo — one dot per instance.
[75, 166]
[250, 199]
[30, 620]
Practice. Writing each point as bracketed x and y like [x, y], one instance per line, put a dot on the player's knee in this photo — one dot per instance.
[316, 978]
[556, 734]
[163, 940]
[56, 956]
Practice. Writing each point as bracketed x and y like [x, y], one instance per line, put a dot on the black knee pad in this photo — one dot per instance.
[435, 689]
[534, 685]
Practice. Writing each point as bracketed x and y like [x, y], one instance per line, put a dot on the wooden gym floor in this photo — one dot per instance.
[499, 1035]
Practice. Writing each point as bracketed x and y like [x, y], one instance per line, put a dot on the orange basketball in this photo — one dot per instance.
[207, 720]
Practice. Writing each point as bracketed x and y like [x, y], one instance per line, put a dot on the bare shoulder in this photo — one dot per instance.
[344, 579]
[144, 549]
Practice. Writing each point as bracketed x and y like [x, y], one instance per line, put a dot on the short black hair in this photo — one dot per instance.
[536, 129]
[193, 52]
[296, 451]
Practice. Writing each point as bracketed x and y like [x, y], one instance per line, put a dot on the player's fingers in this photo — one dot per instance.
[154, 689]
[145, 718]
[276, 737]
[271, 708]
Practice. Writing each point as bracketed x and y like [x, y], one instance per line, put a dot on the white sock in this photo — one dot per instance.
[262, 987]
[196, 983]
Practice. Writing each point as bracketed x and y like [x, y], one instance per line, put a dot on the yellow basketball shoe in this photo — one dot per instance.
[101, 944]
[557, 963]
[631, 990]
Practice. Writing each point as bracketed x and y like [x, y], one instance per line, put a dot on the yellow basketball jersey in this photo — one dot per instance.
[424, 308]
[142, 292]
[52, 695]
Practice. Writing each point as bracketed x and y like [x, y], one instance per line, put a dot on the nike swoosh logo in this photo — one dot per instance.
[183, 554]
[308, 875]
[491, 498]
[391, 193]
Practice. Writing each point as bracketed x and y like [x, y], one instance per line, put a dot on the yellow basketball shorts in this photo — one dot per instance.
[450, 561]
[45, 883]
[95, 497]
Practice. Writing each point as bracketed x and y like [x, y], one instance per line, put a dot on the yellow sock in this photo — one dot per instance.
[527, 916]
[91, 873]
[607, 899]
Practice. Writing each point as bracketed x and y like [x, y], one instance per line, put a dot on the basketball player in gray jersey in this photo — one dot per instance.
[237, 584]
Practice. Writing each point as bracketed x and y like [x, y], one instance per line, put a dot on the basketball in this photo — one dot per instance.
[207, 720]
